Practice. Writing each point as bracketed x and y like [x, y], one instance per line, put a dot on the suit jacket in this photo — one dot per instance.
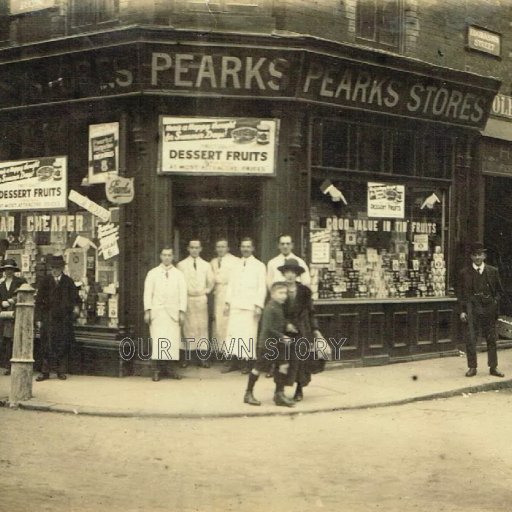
[55, 302]
[465, 286]
[9, 293]
[273, 323]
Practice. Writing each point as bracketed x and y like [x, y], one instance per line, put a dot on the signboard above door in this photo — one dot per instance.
[218, 146]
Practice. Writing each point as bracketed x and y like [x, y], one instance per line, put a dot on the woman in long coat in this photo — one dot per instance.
[300, 314]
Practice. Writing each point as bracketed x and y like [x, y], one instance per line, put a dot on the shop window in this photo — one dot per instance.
[436, 157]
[335, 144]
[380, 22]
[370, 148]
[93, 12]
[377, 239]
[403, 151]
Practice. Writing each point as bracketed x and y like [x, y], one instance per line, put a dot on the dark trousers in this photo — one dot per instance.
[55, 356]
[7, 351]
[164, 367]
[483, 319]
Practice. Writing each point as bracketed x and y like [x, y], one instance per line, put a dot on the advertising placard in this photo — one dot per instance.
[218, 146]
[103, 151]
[386, 200]
[34, 184]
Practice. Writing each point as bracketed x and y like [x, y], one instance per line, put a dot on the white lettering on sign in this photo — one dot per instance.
[502, 106]
[484, 41]
[54, 223]
[194, 71]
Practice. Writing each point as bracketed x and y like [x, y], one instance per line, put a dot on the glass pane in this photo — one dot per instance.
[389, 22]
[366, 14]
[107, 10]
[370, 148]
[335, 145]
[403, 151]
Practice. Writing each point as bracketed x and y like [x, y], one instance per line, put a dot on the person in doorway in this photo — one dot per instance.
[245, 298]
[8, 288]
[272, 342]
[165, 306]
[57, 305]
[479, 293]
[223, 267]
[285, 245]
[199, 278]
[300, 313]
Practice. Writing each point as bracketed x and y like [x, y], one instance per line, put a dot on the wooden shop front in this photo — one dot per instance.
[364, 159]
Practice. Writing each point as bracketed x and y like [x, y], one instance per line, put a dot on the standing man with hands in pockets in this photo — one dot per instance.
[480, 289]
[165, 305]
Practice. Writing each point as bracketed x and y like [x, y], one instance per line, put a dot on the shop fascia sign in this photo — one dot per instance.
[502, 106]
[260, 73]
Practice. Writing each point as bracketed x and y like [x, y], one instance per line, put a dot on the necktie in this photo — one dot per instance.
[220, 261]
[195, 265]
[245, 262]
[167, 274]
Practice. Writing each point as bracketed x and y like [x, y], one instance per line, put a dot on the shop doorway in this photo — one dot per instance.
[211, 208]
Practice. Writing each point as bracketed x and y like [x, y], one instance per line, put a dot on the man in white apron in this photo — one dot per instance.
[245, 298]
[165, 305]
[223, 267]
[199, 278]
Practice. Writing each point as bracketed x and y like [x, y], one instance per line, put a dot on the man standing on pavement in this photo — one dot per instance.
[165, 305]
[199, 278]
[285, 245]
[8, 288]
[57, 304]
[479, 293]
[223, 266]
[245, 298]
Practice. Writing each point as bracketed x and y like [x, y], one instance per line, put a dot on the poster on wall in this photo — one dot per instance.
[218, 146]
[103, 151]
[34, 184]
[386, 200]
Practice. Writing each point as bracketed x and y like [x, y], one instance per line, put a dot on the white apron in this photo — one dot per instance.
[195, 327]
[220, 325]
[165, 336]
[242, 333]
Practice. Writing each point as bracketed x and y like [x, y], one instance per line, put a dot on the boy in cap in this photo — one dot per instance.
[272, 344]
[479, 293]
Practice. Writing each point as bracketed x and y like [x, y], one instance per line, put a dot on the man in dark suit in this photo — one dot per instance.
[480, 289]
[8, 288]
[57, 303]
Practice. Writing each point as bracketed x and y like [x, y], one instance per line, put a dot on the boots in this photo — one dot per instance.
[281, 399]
[249, 399]
[298, 397]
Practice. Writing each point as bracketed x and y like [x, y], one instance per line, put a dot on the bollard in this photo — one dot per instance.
[23, 346]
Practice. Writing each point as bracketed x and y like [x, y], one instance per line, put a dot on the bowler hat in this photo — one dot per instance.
[291, 264]
[476, 248]
[10, 264]
[57, 261]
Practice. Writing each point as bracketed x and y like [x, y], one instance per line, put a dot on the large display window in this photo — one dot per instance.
[377, 239]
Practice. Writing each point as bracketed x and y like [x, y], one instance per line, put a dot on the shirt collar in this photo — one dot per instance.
[164, 268]
[479, 268]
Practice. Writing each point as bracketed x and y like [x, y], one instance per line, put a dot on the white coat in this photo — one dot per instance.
[165, 295]
[274, 275]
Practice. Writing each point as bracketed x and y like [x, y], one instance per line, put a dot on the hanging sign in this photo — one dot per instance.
[103, 151]
[34, 184]
[108, 235]
[119, 190]
[218, 146]
[386, 200]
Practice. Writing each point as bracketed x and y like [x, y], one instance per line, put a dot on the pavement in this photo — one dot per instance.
[206, 393]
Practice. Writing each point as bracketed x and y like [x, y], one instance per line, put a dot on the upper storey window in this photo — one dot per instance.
[93, 12]
[380, 23]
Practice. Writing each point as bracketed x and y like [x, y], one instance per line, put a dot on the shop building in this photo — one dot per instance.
[120, 141]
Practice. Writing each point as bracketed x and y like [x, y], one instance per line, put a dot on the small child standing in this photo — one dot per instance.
[271, 347]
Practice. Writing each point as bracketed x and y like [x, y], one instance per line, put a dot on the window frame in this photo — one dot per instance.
[76, 23]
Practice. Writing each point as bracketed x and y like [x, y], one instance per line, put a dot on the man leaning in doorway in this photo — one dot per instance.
[165, 305]
[223, 266]
[479, 293]
[285, 246]
[245, 298]
[199, 278]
